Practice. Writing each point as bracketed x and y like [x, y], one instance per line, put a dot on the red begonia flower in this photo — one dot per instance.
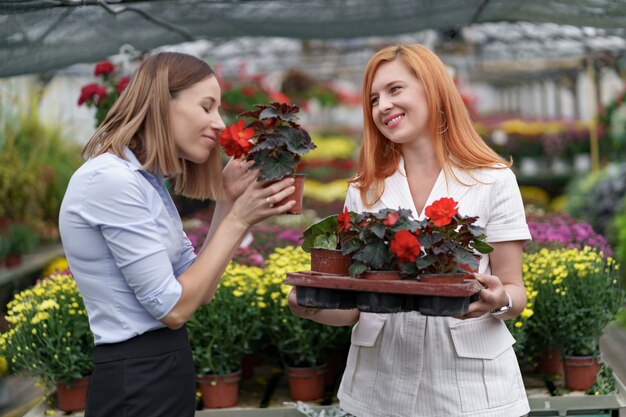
[344, 220]
[405, 246]
[121, 84]
[235, 139]
[104, 68]
[391, 218]
[442, 211]
[89, 91]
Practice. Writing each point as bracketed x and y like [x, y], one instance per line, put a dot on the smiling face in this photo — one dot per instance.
[195, 120]
[398, 100]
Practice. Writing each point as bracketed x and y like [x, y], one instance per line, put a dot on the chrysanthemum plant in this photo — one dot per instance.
[272, 139]
[449, 241]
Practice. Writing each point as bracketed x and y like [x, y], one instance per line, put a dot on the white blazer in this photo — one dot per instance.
[409, 365]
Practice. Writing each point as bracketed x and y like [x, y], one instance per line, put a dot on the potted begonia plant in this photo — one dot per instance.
[383, 241]
[323, 241]
[449, 243]
[274, 140]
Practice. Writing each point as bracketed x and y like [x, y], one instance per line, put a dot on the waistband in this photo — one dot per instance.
[155, 342]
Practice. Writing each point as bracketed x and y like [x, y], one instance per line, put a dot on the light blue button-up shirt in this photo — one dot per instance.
[125, 246]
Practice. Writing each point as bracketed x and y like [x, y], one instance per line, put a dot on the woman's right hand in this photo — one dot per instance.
[258, 201]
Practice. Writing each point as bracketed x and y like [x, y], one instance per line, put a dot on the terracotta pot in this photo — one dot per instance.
[219, 391]
[72, 397]
[297, 194]
[381, 275]
[549, 362]
[306, 384]
[581, 372]
[457, 278]
[330, 261]
[12, 260]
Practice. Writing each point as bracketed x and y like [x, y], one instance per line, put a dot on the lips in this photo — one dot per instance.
[393, 119]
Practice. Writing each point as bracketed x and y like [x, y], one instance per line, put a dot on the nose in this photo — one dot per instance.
[218, 123]
[384, 103]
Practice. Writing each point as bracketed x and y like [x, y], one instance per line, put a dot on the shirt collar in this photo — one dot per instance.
[132, 160]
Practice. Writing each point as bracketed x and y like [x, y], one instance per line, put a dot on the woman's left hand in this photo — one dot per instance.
[490, 298]
[236, 177]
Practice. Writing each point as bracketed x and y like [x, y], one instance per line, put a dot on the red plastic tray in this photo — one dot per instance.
[319, 280]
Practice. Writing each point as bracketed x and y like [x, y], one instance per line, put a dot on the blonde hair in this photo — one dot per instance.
[139, 119]
[456, 142]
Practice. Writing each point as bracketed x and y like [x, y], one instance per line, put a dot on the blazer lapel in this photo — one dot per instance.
[398, 195]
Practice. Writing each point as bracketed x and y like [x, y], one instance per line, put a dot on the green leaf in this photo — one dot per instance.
[374, 255]
[273, 164]
[298, 140]
[320, 234]
[482, 246]
[425, 261]
[356, 269]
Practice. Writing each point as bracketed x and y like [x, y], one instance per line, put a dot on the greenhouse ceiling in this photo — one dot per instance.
[42, 35]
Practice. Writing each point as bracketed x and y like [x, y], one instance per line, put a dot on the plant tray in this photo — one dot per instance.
[320, 290]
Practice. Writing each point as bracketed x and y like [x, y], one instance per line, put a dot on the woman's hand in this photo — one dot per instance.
[259, 200]
[236, 177]
[298, 310]
[492, 297]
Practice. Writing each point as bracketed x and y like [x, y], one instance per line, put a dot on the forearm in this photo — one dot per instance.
[333, 317]
[200, 280]
[222, 208]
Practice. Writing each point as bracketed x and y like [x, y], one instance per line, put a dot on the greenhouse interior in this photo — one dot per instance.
[542, 84]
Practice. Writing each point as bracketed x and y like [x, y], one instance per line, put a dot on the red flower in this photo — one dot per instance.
[248, 91]
[236, 139]
[121, 84]
[104, 68]
[344, 220]
[391, 218]
[279, 97]
[89, 91]
[442, 211]
[406, 246]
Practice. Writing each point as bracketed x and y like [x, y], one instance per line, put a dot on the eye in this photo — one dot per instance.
[395, 89]
[374, 100]
[206, 109]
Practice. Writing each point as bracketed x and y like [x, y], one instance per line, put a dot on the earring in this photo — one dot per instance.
[444, 124]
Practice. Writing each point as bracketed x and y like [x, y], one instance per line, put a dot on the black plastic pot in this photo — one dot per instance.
[326, 298]
[377, 302]
[445, 306]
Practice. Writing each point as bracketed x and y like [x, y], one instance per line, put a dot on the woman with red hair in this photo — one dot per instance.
[420, 146]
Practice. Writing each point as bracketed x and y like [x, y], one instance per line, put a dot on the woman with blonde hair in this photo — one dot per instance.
[134, 265]
[419, 146]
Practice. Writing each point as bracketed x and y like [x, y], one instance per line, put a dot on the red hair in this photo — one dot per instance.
[456, 142]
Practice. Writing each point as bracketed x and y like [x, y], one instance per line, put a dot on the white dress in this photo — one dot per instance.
[409, 365]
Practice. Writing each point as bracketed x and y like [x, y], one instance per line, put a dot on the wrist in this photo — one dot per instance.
[505, 308]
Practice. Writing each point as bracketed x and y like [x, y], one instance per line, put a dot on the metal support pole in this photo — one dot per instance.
[593, 131]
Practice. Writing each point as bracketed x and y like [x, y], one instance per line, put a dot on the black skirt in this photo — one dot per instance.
[151, 375]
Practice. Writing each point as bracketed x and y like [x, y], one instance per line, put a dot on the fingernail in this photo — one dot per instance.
[291, 180]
